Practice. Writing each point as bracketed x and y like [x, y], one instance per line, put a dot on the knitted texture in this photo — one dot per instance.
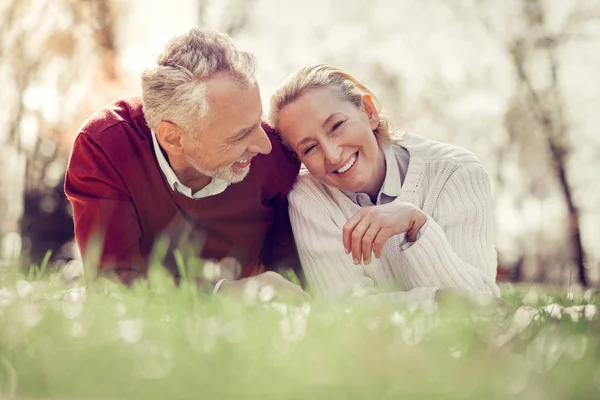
[455, 248]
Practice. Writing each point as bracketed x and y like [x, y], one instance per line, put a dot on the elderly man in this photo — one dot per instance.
[191, 162]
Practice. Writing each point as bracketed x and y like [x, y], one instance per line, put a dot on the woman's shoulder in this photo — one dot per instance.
[433, 151]
[307, 186]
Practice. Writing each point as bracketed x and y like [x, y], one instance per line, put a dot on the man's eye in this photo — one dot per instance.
[244, 136]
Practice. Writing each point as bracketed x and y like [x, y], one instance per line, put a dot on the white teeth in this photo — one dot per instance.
[346, 167]
[244, 160]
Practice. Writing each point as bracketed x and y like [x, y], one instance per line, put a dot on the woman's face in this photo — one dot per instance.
[335, 140]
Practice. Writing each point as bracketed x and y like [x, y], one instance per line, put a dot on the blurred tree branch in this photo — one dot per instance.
[45, 59]
[536, 113]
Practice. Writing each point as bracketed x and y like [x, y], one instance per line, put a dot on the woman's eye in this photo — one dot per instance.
[337, 125]
[308, 149]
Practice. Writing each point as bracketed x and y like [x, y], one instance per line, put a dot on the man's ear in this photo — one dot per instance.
[169, 137]
[371, 111]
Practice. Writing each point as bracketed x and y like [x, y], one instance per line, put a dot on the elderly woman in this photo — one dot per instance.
[421, 207]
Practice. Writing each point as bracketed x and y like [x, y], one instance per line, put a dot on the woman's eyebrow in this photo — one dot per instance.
[328, 120]
[300, 143]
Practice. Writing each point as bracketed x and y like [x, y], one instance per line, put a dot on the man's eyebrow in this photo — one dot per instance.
[244, 131]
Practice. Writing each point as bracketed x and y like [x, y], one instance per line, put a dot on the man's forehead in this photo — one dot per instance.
[233, 108]
[223, 85]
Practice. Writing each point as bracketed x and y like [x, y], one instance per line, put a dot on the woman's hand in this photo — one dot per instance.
[369, 229]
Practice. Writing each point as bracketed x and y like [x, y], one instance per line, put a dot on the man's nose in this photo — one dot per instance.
[261, 144]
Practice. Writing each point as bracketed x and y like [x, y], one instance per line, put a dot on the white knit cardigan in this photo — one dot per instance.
[455, 247]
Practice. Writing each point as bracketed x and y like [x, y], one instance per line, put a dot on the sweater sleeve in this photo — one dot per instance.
[457, 250]
[329, 271]
[279, 251]
[103, 212]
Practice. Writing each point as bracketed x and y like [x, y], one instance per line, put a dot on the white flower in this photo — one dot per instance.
[397, 319]
[532, 297]
[24, 288]
[212, 271]
[71, 309]
[73, 302]
[574, 312]
[293, 326]
[524, 316]
[266, 293]
[554, 310]
[251, 289]
[72, 271]
[590, 311]
[130, 330]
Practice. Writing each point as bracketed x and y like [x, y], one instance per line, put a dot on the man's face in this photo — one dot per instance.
[231, 135]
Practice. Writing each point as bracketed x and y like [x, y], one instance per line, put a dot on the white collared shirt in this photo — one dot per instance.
[216, 186]
[396, 165]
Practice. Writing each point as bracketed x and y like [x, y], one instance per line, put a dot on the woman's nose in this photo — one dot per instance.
[333, 153]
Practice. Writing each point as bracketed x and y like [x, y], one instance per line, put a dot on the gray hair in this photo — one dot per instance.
[325, 76]
[175, 90]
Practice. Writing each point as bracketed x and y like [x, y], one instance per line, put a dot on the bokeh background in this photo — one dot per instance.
[517, 82]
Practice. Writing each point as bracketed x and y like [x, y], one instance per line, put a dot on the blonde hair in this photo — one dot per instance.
[175, 90]
[325, 76]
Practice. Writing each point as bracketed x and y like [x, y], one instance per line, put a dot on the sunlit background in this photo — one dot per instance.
[517, 82]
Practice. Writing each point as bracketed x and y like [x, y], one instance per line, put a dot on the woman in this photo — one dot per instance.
[421, 207]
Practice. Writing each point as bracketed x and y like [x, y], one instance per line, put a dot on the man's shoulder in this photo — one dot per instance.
[280, 167]
[108, 123]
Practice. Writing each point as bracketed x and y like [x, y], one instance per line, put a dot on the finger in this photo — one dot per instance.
[380, 240]
[348, 229]
[357, 237]
[367, 242]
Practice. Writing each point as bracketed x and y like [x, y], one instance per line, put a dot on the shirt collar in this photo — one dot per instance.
[216, 186]
[392, 185]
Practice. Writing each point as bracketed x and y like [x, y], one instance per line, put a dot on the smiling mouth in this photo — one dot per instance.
[244, 161]
[348, 165]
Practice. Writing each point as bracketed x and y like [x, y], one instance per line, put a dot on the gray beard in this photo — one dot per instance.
[225, 173]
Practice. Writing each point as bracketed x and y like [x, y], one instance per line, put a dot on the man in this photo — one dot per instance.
[189, 162]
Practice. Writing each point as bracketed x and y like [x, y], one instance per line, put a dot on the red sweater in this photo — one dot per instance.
[120, 195]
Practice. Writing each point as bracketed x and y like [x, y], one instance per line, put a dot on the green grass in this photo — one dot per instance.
[156, 341]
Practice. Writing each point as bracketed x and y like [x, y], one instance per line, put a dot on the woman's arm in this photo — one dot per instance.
[458, 249]
[330, 272]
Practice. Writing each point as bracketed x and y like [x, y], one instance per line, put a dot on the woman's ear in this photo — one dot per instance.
[169, 137]
[370, 110]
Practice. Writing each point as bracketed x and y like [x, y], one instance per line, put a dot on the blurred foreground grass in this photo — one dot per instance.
[156, 341]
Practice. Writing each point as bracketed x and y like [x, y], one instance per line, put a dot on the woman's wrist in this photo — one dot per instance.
[418, 220]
